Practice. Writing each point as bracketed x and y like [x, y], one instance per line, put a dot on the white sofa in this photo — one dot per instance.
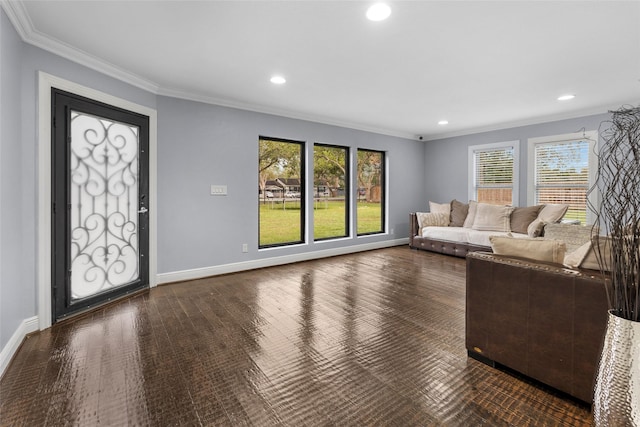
[457, 228]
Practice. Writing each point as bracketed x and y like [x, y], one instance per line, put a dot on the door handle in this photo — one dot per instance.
[143, 210]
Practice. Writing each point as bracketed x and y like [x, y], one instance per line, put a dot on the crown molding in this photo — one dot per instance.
[280, 112]
[86, 59]
[532, 121]
[19, 17]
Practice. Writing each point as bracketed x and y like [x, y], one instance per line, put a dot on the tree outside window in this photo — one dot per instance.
[330, 189]
[370, 195]
[280, 192]
[562, 176]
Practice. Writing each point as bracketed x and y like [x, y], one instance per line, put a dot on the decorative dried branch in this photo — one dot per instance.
[618, 180]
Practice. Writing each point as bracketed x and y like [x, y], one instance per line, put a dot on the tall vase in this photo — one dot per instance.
[616, 401]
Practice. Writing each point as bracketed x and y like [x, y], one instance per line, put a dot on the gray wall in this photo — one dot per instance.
[20, 64]
[446, 170]
[16, 303]
[200, 145]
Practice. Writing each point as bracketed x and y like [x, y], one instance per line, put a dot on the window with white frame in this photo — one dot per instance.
[561, 170]
[493, 176]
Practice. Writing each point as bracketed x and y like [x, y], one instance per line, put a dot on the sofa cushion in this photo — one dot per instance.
[522, 217]
[574, 259]
[548, 214]
[427, 219]
[471, 215]
[459, 213]
[536, 228]
[492, 217]
[451, 234]
[444, 208]
[585, 255]
[552, 213]
[464, 235]
[572, 235]
[536, 249]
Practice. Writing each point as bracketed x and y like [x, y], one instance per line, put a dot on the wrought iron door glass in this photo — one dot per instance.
[103, 204]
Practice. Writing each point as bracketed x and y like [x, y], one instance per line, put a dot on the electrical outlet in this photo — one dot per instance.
[392, 231]
[245, 248]
[218, 190]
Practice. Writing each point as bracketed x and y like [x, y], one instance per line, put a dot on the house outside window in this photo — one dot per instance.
[493, 173]
[280, 192]
[562, 168]
[330, 189]
[370, 195]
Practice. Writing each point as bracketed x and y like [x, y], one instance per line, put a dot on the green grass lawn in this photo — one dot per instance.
[280, 224]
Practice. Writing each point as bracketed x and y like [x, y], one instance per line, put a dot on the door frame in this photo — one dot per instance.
[44, 271]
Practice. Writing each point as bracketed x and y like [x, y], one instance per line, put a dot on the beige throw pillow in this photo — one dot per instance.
[575, 258]
[535, 249]
[471, 215]
[443, 208]
[522, 217]
[572, 235]
[590, 261]
[552, 213]
[536, 228]
[430, 219]
[459, 212]
[585, 255]
[492, 217]
[548, 214]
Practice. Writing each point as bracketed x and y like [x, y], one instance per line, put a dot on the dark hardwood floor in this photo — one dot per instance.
[374, 338]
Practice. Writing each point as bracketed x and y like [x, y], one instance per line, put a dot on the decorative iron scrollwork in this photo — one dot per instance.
[104, 204]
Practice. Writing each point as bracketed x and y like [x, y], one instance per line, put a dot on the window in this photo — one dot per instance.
[493, 176]
[371, 193]
[280, 192]
[561, 170]
[330, 189]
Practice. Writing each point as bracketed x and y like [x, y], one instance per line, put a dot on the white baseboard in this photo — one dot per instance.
[199, 273]
[27, 326]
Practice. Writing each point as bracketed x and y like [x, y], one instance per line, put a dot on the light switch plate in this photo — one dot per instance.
[218, 190]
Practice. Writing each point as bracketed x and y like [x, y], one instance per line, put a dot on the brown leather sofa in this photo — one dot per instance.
[441, 246]
[542, 320]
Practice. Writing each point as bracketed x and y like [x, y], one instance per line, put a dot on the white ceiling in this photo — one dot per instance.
[479, 64]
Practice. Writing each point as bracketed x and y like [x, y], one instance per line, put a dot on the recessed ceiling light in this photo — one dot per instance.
[278, 80]
[443, 122]
[378, 12]
[566, 97]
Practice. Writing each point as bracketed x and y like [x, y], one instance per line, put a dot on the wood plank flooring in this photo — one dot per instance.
[374, 338]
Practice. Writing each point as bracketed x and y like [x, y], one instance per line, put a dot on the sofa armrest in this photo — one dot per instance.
[413, 229]
[540, 319]
[413, 224]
